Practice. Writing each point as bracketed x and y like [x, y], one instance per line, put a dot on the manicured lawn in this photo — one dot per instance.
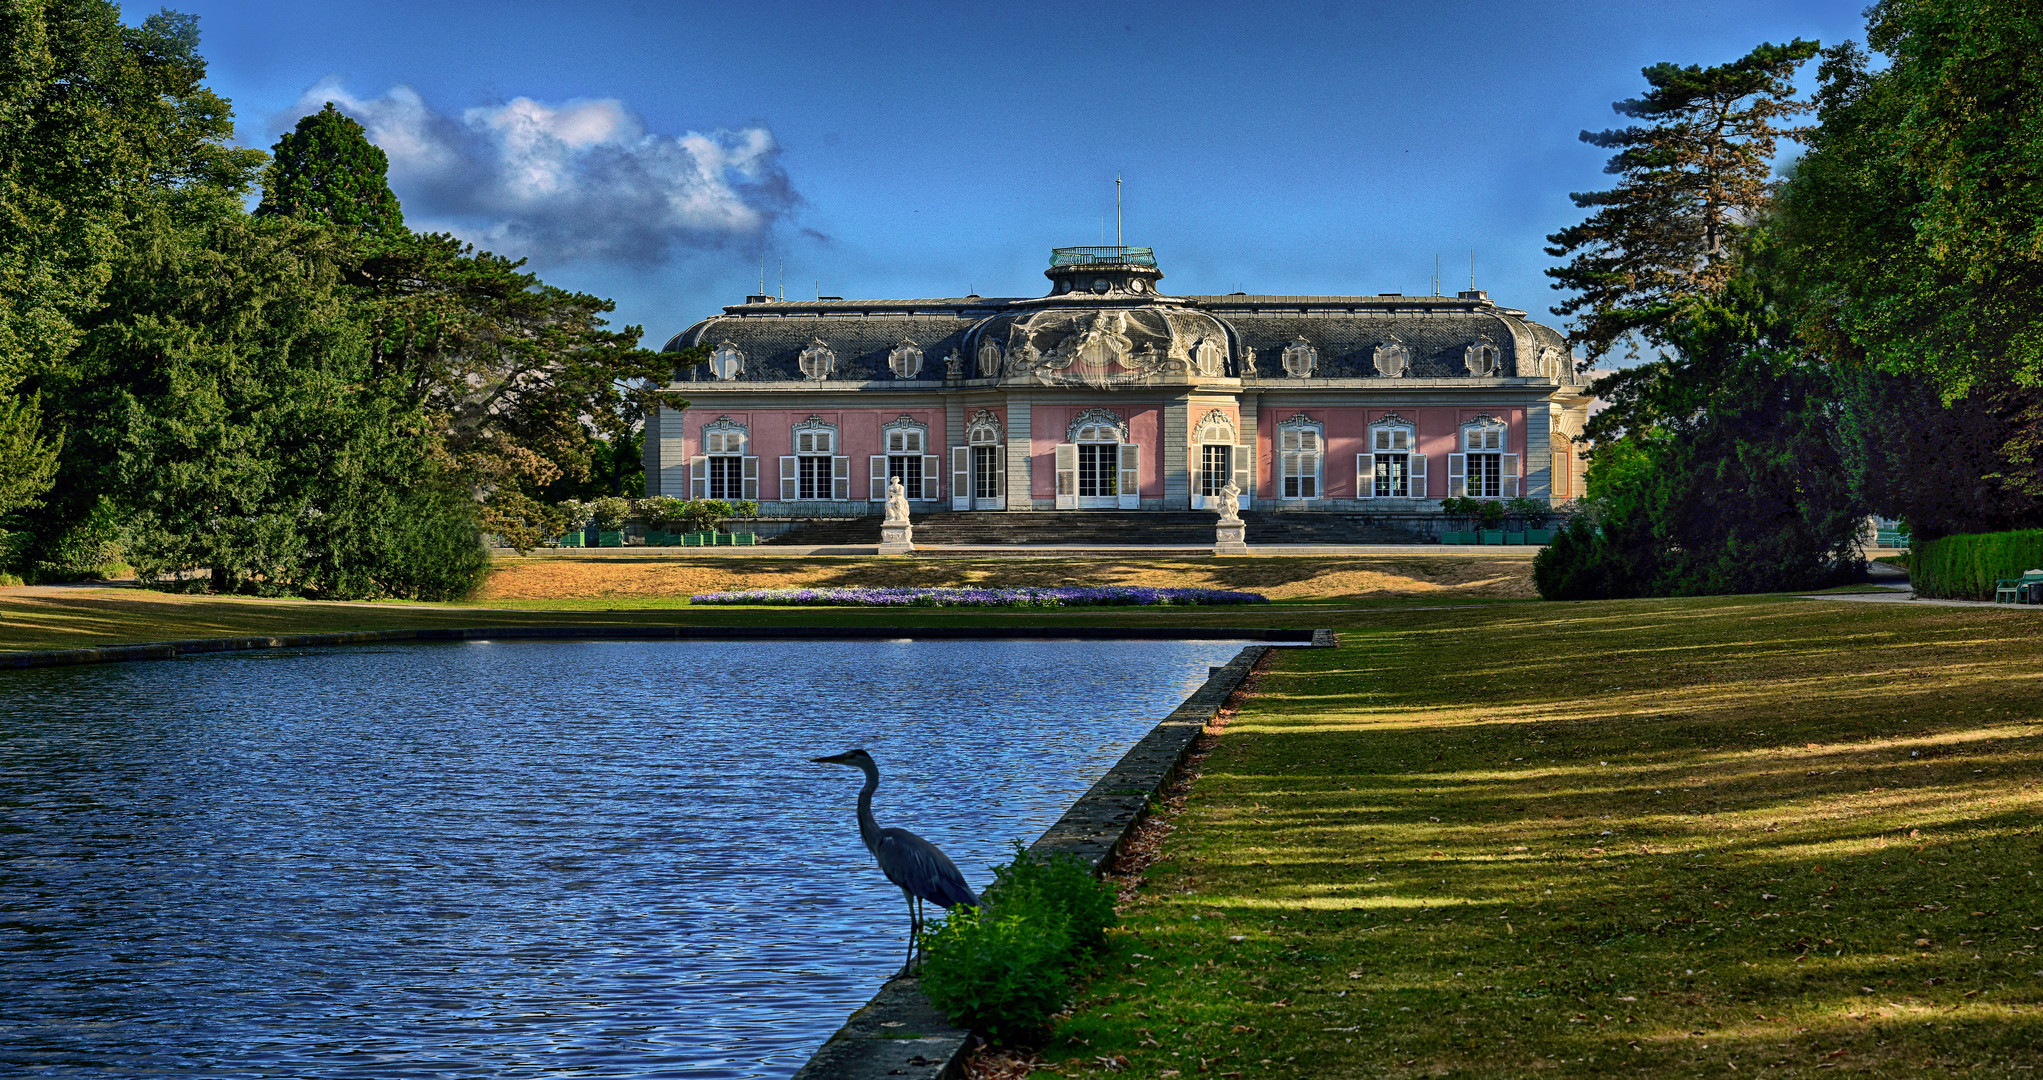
[1680, 838]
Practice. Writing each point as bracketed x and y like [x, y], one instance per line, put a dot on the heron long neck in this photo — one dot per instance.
[868, 829]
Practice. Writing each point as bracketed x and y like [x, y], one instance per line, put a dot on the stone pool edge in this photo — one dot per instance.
[171, 650]
[899, 1033]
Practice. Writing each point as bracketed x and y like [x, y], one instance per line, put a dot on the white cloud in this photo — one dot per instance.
[581, 180]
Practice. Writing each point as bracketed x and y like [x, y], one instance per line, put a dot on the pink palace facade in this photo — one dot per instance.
[1107, 394]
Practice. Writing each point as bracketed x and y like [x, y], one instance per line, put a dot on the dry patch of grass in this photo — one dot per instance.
[1279, 578]
[1669, 838]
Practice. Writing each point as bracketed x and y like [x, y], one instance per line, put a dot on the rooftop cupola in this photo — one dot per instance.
[1115, 272]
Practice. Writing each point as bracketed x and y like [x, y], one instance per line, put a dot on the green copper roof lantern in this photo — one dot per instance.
[1102, 256]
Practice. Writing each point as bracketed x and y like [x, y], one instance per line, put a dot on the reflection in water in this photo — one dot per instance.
[589, 859]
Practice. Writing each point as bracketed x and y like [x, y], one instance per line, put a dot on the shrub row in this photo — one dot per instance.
[1964, 567]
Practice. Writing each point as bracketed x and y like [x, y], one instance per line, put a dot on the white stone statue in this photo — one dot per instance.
[897, 502]
[1228, 502]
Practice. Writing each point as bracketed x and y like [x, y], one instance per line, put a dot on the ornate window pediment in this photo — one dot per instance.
[983, 429]
[723, 435]
[1300, 358]
[1391, 358]
[815, 436]
[1484, 432]
[1214, 428]
[905, 359]
[1098, 425]
[818, 361]
[1209, 358]
[1483, 359]
[727, 362]
[905, 435]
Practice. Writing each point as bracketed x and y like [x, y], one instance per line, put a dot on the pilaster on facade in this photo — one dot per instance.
[1539, 457]
[1176, 436]
[1020, 493]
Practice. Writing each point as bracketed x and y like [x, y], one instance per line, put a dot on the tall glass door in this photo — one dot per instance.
[1099, 474]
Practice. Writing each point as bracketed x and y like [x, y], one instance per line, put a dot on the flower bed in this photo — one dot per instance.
[1045, 597]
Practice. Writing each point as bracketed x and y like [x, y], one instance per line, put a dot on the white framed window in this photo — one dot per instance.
[1215, 459]
[1483, 359]
[1392, 467]
[815, 470]
[1391, 358]
[1301, 446]
[1099, 468]
[1300, 358]
[723, 470]
[905, 359]
[1209, 358]
[907, 458]
[818, 360]
[1485, 468]
[727, 362]
[979, 468]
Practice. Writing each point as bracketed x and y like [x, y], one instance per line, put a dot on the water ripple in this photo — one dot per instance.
[510, 859]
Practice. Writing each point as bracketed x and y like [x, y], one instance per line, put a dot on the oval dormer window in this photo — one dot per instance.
[1101, 285]
[1135, 286]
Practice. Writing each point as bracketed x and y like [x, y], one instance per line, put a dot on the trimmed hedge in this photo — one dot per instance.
[1964, 567]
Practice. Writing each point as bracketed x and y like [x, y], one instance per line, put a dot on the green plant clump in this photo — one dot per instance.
[1005, 969]
[1965, 567]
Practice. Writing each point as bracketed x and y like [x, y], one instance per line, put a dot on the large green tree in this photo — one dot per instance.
[327, 170]
[1696, 169]
[1917, 213]
[97, 121]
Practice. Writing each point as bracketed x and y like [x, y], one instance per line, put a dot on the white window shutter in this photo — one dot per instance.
[840, 478]
[790, 486]
[1131, 476]
[878, 476]
[932, 468]
[1418, 476]
[1195, 462]
[698, 474]
[751, 489]
[1457, 476]
[1067, 476]
[1508, 483]
[1000, 478]
[1308, 475]
[1365, 476]
[961, 478]
[1244, 471]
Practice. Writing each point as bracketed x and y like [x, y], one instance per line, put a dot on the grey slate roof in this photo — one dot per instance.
[1344, 329]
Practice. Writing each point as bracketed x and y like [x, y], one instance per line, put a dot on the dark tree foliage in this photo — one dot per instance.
[1691, 175]
[1943, 467]
[1716, 468]
[1916, 217]
[326, 170]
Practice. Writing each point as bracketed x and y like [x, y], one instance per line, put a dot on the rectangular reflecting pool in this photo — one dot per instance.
[511, 859]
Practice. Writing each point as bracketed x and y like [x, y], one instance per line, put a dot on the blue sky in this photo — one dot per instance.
[654, 152]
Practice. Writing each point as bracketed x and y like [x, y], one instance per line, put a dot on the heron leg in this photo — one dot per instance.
[914, 929]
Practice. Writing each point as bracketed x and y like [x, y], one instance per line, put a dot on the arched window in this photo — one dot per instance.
[1300, 358]
[818, 361]
[1391, 358]
[1482, 359]
[1301, 445]
[905, 359]
[907, 458]
[1485, 468]
[723, 470]
[1216, 460]
[815, 470]
[1392, 468]
[979, 468]
[727, 362]
[1100, 467]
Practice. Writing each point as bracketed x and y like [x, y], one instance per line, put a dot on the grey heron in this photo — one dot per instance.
[916, 865]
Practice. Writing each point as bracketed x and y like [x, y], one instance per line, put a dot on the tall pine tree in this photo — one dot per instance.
[1697, 170]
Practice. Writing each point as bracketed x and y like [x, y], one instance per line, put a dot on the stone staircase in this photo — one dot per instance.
[1102, 528]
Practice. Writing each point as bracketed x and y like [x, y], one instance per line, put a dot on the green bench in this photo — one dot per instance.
[2027, 589]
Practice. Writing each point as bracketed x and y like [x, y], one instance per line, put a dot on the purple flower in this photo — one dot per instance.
[1044, 596]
